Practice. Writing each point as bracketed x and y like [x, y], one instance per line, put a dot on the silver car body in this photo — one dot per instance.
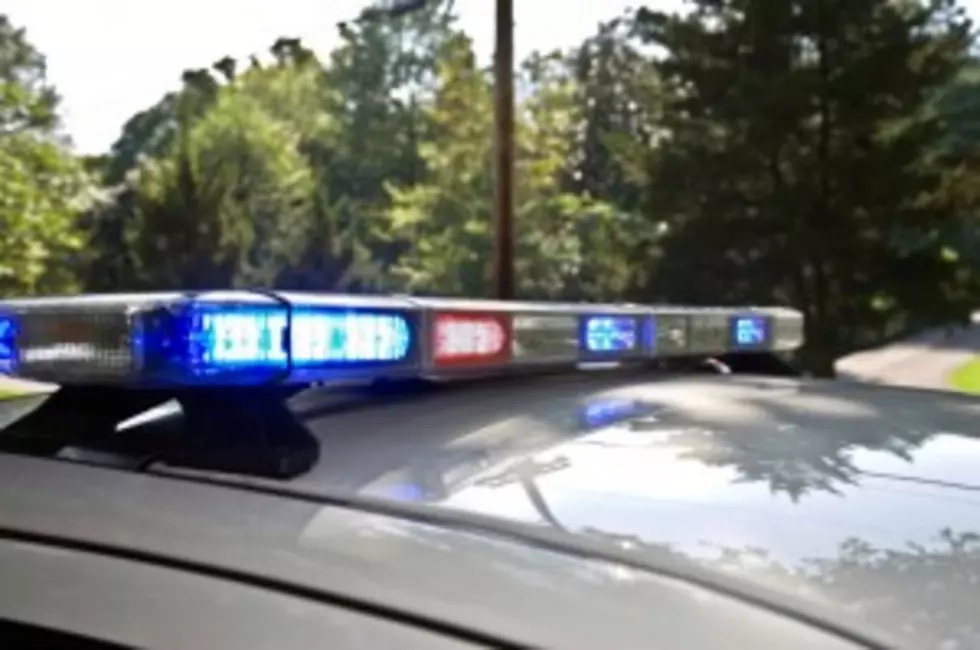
[860, 502]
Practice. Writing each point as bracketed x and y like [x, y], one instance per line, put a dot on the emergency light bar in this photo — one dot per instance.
[241, 338]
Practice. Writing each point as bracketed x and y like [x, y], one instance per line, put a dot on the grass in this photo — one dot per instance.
[967, 377]
[7, 393]
[10, 390]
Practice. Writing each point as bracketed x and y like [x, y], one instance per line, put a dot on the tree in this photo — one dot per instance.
[146, 138]
[570, 244]
[957, 107]
[44, 187]
[619, 94]
[442, 223]
[231, 204]
[353, 123]
[798, 167]
[380, 77]
[571, 241]
[620, 103]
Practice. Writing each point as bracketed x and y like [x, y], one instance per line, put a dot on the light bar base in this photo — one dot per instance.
[76, 415]
[759, 363]
[249, 431]
[242, 431]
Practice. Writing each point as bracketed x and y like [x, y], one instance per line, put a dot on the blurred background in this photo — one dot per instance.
[821, 154]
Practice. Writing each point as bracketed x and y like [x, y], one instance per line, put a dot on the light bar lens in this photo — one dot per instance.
[350, 338]
[709, 332]
[8, 335]
[244, 337]
[615, 337]
[317, 337]
[469, 339]
[61, 345]
[546, 338]
[250, 342]
[669, 334]
[750, 332]
[610, 334]
[787, 329]
[249, 337]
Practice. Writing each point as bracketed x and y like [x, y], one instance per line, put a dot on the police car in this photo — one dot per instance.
[253, 469]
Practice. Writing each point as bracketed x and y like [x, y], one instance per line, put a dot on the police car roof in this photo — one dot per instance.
[454, 581]
[821, 488]
[788, 467]
[768, 474]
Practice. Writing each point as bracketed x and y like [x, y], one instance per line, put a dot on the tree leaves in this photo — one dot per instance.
[819, 153]
[800, 164]
[43, 186]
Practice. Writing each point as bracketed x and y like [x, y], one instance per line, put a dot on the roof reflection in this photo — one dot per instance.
[863, 496]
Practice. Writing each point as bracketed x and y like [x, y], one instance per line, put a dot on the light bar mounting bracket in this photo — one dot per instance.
[240, 430]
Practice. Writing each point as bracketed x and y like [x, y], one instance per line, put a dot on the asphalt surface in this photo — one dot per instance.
[923, 361]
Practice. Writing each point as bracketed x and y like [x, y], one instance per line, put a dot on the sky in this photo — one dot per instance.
[112, 58]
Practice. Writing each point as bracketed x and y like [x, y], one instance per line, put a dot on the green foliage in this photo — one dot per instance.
[43, 187]
[967, 377]
[822, 154]
[799, 164]
[232, 203]
[444, 221]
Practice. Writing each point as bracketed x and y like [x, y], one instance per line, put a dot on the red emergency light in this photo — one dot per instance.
[470, 339]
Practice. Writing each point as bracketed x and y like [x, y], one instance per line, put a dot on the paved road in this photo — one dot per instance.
[924, 361]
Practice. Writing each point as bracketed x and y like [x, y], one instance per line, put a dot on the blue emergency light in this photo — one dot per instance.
[611, 334]
[236, 338]
[750, 332]
[207, 342]
[7, 342]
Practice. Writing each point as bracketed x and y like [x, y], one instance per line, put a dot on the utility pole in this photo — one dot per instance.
[503, 206]
[503, 157]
